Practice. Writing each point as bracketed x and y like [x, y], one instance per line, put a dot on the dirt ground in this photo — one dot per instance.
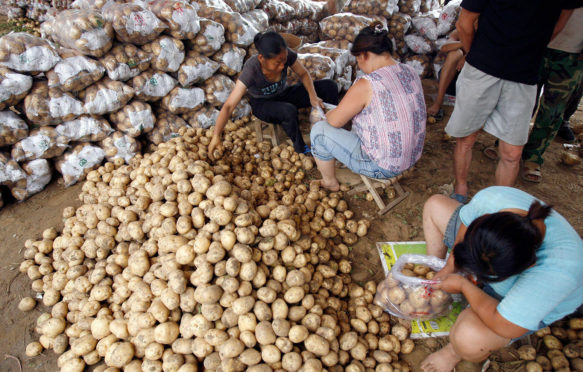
[562, 186]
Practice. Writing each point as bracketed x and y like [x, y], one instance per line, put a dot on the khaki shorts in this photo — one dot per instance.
[502, 108]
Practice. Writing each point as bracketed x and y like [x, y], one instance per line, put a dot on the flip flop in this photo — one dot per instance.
[491, 152]
[531, 172]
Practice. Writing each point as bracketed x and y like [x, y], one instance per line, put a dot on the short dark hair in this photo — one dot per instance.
[499, 245]
[374, 39]
[269, 44]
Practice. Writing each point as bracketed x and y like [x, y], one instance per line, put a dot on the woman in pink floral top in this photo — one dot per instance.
[387, 110]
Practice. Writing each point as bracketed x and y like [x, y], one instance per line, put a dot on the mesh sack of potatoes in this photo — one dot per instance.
[74, 72]
[419, 44]
[242, 109]
[301, 8]
[341, 57]
[105, 96]
[134, 118]
[23, 52]
[242, 6]
[217, 89]
[195, 69]
[167, 53]
[10, 171]
[82, 30]
[152, 85]
[180, 16]
[42, 143]
[202, 118]
[319, 67]
[166, 127]
[38, 174]
[258, 18]
[49, 106]
[421, 64]
[448, 17]
[182, 100]
[318, 10]
[124, 61]
[89, 4]
[426, 26]
[343, 26]
[209, 39]
[132, 23]
[13, 87]
[406, 292]
[399, 25]
[120, 145]
[230, 59]
[278, 11]
[238, 30]
[12, 128]
[293, 26]
[309, 27]
[384, 8]
[410, 7]
[85, 129]
[77, 162]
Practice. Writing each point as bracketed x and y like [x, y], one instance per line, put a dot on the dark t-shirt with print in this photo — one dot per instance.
[257, 85]
[512, 35]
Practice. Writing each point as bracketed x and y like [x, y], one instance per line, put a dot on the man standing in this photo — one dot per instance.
[497, 86]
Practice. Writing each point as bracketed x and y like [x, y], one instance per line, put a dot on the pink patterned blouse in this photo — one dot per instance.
[392, 126]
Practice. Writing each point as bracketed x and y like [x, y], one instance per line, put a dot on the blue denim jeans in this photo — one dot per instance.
[330, 143]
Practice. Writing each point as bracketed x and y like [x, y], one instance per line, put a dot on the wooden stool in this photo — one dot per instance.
[273, 131]
[371, 184]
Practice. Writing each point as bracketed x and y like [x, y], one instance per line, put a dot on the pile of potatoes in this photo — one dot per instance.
[175, 263]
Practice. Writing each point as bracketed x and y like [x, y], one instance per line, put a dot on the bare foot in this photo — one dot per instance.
[433, 109]
[332, 186]
[443, 360]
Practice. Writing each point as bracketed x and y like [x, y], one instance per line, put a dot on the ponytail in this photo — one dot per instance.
[374, 39]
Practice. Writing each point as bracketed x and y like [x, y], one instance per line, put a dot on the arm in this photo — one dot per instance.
[306, 80]
[561, 22]
[466, 29]
[453, 42]
[225, 113]
[355, 100]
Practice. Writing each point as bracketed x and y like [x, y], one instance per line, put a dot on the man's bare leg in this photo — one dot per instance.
[462, 158]
[445, 78]
[509, 164]
[437, 211]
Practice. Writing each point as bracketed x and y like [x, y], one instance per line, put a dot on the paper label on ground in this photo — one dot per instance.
[389, 252]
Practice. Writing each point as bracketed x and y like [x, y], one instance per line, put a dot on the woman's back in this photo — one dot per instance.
[392, 126]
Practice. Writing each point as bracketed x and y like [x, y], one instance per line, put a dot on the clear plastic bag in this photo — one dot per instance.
[242, 109]
[217, 89]
[13, 87]
[77, 162]
[343, 26]
[74, 72]
[85, 129]
[426, 27]
[410, 7]
[258, 18]
[82, 30]
[89, 4]
[124, 61]
[23, 52]
[217, 4]
[384, 8]
[230, 59]
[106, 96]
[181, 17]
[203, 118]
[448, 16]
[418, 44]
[421, 64]
[336, 44]
[301, 8]
[120, 145]
[182, 100]
[209, 39]
[242, 6]
[405, 296]
[399, 24]
[278, 11]
[238, 30]
[50, 106]
[341, 57]
[42, 143]
[12, 128]
[132, 23]
[344, 80]
[10, 171]
[38, 175]
[166, 128]
[134, 119]
[195, 69]
[167, 53]
[152, 85]
[319, 67]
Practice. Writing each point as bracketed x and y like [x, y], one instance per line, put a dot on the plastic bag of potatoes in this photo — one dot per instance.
[242, 6]
[132, 23]
[106, 96]
[242, 109]
[10, 171]
[134, 119]
[407, 293]
[182, 100]
[13, 87]
[238, 30]
[343, 26]
[77, 162]
[50, 106]
[167, 53]
[341, 57]
[38, 174]
[319, 67]
[153, 85]
[418, 44]
[85, 129]
[448, 17]
[74, 72]
[166, 128]
[278, 11]
[89, 4]
[12, 128]
[195, 69]
[42, 143]
[120, 145]
[217, 89]
[124, 61]
[384, 8]
[181, 17]
[230, 59]
[209, 39]
[82, 30]
[258, 18]
[410, 7]
[23, 52]
[426, 26]
[421, 64]
[202, 118]
[399, 24]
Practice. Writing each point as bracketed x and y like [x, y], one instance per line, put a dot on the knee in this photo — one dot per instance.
[317, 133]
[432, 206]
[510, 154]
[466, 143]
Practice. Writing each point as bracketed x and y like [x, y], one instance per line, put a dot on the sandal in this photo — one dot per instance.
[531, 172]
[491, 152]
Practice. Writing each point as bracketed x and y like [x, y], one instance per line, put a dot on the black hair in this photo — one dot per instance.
[269, 44]
[499, 245]
[374, 39]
